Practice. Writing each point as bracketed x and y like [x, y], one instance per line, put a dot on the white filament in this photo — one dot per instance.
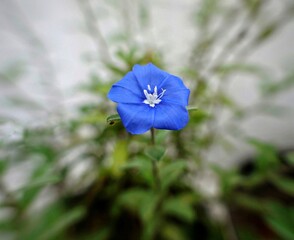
[153, 98]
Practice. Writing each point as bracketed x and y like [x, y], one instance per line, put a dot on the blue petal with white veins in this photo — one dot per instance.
[176, 96]
[130, 90]
[121, 94]
[149, 75]
[176, 92]
[137, 118]
[172, 82]
[170, 116]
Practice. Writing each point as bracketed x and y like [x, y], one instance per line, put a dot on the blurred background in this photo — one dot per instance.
[68, 173]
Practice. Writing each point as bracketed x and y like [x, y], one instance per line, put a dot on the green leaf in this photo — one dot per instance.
[7, 224]
[173, 232]
[38, 224]
[12, 72]
[103, 234]
[247, 233]
[180, 208]
[254, 6]
[206, 12]
[149, 229]
[249, 202]
[144, 167]
[229, 178]
[147, 209]
[144, 13]
[113, 119]
[140, 201]
[42, 175]
[270, 88]
[63, 222]
[284, 184]
[225, 100]
[199, 116]
[137, 163]
[171, 173]
[266, 155]
[155, 153]
[119, 157]
[266, 32]
[116, 70]
[290, 158]
[280, 218]
[3, 165]
[40, 182]
[236, 68]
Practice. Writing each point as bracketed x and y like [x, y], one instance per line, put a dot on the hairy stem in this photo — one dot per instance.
[154, 165]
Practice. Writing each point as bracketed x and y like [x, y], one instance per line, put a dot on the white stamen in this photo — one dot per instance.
[162, 93]
[154, 98]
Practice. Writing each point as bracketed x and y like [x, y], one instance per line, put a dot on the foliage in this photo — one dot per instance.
[85, 177]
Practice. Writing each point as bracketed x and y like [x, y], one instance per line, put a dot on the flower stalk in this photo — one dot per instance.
[154, 164]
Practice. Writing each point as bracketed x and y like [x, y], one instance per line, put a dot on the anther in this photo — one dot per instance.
[154, 98]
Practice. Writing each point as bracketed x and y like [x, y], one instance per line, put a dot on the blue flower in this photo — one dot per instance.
[150, 97]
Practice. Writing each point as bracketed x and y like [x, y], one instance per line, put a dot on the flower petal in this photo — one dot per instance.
[121, 94]
[137, 118]
[149, 75]
[172, 83]
[175, 96]
[128, 82]
[170, 116]
[167, 98]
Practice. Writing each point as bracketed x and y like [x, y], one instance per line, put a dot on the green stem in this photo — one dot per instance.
[154, 165]
[156, 176]
[152, 130]
[157, 187]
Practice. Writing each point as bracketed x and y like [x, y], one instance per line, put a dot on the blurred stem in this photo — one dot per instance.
[179, 144]
[126, 19]
[231, 231]
[157, 188]
[152, 130]
[94, 30]
[156, 176]
[39, 54]
[10, 201]
[154, 165]
[233, 49]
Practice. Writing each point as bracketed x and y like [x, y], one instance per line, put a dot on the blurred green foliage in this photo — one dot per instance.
[115, 196]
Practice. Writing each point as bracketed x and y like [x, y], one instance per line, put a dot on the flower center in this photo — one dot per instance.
[153, 98]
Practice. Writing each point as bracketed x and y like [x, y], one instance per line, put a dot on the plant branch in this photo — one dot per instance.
[154, 164]
[94, 30]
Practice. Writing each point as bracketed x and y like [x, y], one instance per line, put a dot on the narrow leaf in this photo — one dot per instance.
[155, 153]
[113, 119]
